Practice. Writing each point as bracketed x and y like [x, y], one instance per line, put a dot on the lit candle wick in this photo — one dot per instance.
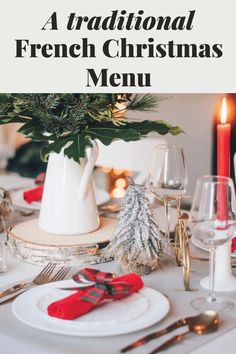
[223, 118]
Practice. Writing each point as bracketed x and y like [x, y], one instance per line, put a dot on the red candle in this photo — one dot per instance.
[223, 143]
[223, 160]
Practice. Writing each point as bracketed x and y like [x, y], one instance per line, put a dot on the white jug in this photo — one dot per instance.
[68, 203]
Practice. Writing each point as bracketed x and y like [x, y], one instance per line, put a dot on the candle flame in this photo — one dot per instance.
[223, 118]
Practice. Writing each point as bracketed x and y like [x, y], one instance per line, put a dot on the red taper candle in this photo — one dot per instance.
[223, 160]
[223, 143]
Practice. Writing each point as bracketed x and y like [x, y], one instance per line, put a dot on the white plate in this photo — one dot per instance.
[10, 182]
[133, 313]
[202, 246]
[19, 202]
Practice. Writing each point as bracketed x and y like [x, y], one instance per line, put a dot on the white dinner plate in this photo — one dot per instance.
[19, 202]
[130, 314]
[202, 246]
[10, 182]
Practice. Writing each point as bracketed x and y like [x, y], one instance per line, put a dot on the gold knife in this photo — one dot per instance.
[180, 323]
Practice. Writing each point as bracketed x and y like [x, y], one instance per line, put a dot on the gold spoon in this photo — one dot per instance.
[206, 322]
[186, 321]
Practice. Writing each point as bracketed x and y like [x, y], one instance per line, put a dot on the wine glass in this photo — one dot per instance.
[167, 179]
[213, 221]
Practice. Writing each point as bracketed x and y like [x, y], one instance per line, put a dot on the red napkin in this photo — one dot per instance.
[233, 244]
[33, 195]
[40, 179]
[85, 300]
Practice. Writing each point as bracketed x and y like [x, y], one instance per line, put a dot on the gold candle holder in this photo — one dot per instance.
[182, 250]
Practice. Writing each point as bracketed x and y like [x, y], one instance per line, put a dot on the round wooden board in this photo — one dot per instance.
[31, 244]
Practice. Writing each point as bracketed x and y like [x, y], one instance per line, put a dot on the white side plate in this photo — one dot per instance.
[10, 182]
[19, 202]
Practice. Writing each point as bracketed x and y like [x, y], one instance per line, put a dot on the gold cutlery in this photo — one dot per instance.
[209, 322]
[41, 278]
[61, 274]
[188, 321]
[45, 276]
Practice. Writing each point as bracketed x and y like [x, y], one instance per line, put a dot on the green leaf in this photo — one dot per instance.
[32, 129]
[37, 136]
[55, 146]
[28, 128]
[5, 119]
[159, 126]
[108, 132]
[77, 148]
[107, 135]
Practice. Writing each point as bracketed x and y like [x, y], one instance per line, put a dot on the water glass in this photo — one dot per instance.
[213, 219]
[167, 179]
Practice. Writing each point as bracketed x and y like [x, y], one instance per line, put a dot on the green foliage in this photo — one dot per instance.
[73, 121]
[143, 102]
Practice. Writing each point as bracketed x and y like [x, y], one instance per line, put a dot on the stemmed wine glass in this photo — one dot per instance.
[167, 179]
[213, 220]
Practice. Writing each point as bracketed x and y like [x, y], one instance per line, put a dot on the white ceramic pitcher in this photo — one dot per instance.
[68, 203]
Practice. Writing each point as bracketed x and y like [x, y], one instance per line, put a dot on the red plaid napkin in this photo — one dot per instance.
[33, 195]
[86, 298]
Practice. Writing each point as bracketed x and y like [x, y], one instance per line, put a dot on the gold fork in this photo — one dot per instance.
[42, 278]
[61, 274]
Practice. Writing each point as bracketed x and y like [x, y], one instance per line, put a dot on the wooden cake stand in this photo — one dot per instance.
[31, 244]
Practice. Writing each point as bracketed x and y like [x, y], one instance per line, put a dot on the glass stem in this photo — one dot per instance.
[211, 295]
[167, 218]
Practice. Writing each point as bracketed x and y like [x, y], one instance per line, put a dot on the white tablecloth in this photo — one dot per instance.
[17, 337]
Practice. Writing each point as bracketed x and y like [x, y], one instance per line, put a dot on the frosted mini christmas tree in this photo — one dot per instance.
[137, 242]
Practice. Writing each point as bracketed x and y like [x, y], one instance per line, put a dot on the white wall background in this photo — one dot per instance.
[194, 113]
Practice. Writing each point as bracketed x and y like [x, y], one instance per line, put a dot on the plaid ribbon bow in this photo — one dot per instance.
[103, 286]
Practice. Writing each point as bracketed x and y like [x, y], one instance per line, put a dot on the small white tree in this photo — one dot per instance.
[137, 242]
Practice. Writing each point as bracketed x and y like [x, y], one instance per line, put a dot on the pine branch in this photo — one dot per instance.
[81, 117]
[148, 102]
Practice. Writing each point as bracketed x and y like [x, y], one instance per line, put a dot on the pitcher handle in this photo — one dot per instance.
[88, 170]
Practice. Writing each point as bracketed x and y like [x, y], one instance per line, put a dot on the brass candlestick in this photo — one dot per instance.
[182, 250]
